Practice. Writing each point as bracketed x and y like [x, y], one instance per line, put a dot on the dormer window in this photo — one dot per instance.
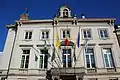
[65, 13]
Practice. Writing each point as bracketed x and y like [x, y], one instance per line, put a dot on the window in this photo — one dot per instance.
[90, 60]
[28, 35]
[108, 59]
[65, 33]
[45, 34]
[43, 60]
[65, 13]
[25, 59]
[87, 34]
[66, 57]
[103, 33]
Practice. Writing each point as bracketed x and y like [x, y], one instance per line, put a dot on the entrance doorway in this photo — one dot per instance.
[68, 77]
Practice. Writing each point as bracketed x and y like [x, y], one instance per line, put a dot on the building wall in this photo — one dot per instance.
[36, 31]
[111, 41]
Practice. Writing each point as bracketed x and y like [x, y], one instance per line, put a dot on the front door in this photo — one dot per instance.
[68, 77]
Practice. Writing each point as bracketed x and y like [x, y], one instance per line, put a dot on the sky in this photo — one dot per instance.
[10, 10]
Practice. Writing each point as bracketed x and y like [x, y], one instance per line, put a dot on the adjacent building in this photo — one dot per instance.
[117, 32]
[65, 47]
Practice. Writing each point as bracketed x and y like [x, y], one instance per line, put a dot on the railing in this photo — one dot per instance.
[59, 71]
[93, 70]
[111, 70]
[27, 71]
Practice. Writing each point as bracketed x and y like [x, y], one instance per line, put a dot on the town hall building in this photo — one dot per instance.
[63, 48]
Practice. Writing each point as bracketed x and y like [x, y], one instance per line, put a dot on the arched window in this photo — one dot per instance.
[65, 13]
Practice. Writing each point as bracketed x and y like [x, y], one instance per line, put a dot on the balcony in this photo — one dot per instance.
[92, 70]
[65, 71]
[111, 70]
[27, 71]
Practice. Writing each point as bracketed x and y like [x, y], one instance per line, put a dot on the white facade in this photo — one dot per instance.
[97, 58]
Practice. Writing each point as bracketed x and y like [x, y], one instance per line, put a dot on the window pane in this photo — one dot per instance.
[64, 60]
[69, 64]
[26, 35]
[93, 61]
[69, 51]
[101, 34]
[106, 60]
[105, 33]
[89, 34]
[26, 51]
[22, 61]
[64, 34]
[47, 34]
[27, 61]
[85, 35]
[45, 61]
[88, 61]
[89, 50]
[41, 61]
[111, 60]
[65, 13]
[68, 33]
[43, 35]
[30, 35]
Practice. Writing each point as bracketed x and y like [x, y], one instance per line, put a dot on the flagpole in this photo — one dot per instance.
[58, 48]
[53, 40]
[38, 52]
[56, 51]
[85, 43]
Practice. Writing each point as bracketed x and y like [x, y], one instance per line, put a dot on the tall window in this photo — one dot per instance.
[43, 61]
[65, 33]
[108, 58]
[28, 35]
[66, 57]
[87, 34]
[103, 33]
[65, 13]
[45, 34]
[25, 59]
[90, 60]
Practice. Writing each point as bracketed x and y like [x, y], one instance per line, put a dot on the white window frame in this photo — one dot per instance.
[89, 54]
[104, 37]
[45, 36]
[64, 47]
[25, 55]
[110, 66]
[87, 33]
[65, 33]
[28, 35]
[39, 63]
[65, 12]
